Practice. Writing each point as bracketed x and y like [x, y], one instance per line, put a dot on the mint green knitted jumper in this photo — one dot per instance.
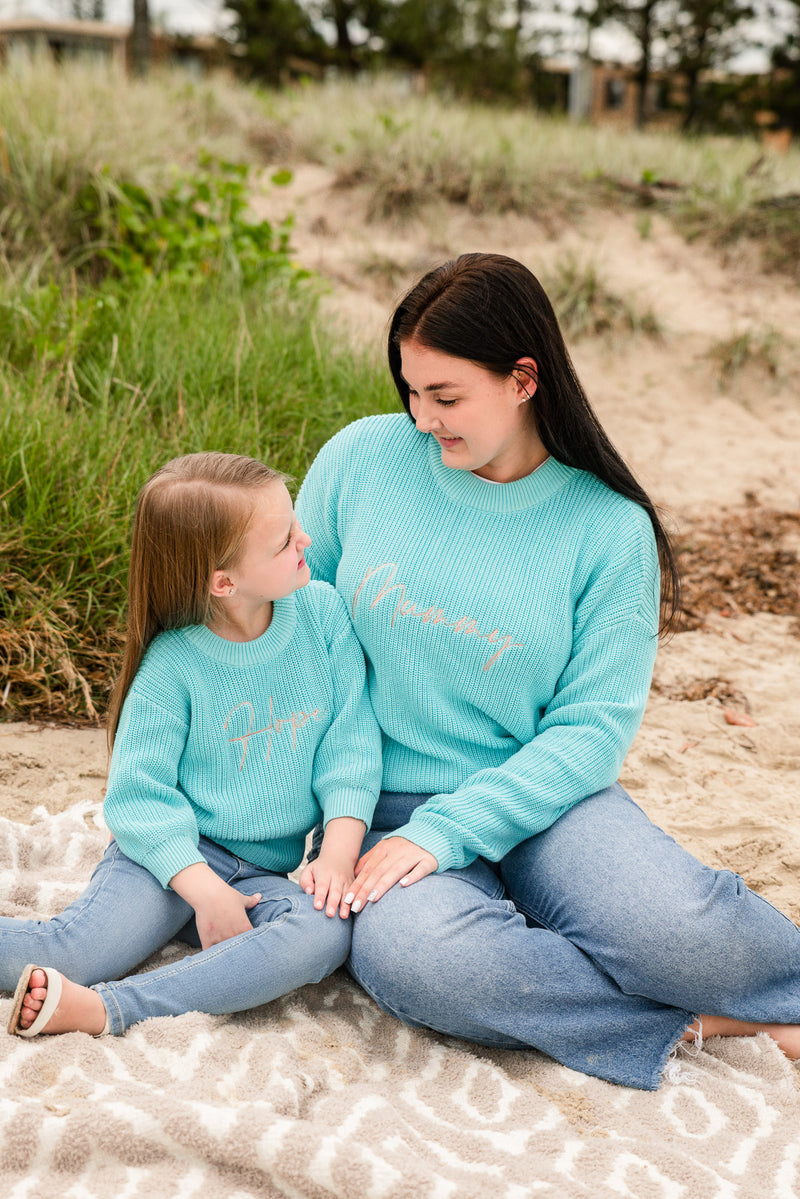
[510, 630]
[249, 744]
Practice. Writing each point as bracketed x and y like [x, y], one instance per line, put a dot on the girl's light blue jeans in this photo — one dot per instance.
[125, 915]
[597, 941]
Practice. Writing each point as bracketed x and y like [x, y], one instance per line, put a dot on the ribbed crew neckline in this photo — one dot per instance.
[471, 491]
[249, 653]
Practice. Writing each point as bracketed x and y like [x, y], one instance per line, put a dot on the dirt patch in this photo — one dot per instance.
[741, 563]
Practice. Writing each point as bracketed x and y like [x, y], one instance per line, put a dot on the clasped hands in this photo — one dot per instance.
[221, 911]
[393, 860]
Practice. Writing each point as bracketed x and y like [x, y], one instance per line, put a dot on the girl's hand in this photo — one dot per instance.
[394, 860]
[224, 916]
[220, 910]
[327, 878]
[331, 874]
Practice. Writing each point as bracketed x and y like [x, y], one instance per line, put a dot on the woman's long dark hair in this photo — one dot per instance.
[493, 311]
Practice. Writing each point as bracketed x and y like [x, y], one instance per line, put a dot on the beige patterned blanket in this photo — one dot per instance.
[323, 1095]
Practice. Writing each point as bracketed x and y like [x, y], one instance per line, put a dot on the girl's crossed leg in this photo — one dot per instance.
[122, 917]
[291, 944]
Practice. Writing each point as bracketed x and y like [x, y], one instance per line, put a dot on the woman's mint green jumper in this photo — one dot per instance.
[510, 631]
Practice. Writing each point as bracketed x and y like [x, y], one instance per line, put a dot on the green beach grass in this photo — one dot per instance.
[117, 382]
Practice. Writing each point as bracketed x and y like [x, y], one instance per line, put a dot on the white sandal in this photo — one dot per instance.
[50, 1004]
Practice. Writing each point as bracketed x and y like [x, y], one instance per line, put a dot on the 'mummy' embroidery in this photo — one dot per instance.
[433, 615]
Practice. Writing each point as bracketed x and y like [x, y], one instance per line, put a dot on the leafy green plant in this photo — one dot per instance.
[61, 125]
[194, 227]
[100, 386]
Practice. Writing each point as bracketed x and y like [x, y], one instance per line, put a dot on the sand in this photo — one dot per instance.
[703, 444]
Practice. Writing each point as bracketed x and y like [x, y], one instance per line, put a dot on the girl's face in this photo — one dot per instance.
[483, 423]
[272, 563]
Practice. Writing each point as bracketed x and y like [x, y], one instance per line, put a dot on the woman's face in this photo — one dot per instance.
[483, 423]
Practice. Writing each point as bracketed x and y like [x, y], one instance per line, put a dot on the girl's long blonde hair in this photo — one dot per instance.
[191, 519]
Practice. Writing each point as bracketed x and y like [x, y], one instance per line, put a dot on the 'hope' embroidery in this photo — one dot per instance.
[276, 724]
[432, 615]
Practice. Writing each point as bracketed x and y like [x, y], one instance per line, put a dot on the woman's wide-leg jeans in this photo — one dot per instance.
[597, 941]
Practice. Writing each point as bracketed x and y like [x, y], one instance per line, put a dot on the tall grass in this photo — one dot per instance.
[101, 388]
[69, 130]
[63, 129]
[382, 131]
[407, 150]
[140, 318]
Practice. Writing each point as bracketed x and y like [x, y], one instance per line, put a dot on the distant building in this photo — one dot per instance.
[27, 37]
[22, 37]
[608, 94]
[604, 93]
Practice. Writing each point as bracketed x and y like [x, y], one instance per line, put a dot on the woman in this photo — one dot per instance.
[501, 566]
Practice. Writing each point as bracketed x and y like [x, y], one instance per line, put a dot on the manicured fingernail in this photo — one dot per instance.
[373, 895]
[404, 881]
[349, 897]
[356, 906]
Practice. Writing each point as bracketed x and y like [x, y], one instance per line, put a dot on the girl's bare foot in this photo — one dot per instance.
[787, 1036]
[79, 1008]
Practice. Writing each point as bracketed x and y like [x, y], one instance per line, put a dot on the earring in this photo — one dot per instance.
[522, 385]
[231, 591]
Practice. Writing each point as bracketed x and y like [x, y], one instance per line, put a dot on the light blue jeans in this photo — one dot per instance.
[597, 941]
[125, 915]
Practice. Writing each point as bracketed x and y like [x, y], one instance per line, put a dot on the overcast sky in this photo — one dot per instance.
[201, 16]
[179, 16]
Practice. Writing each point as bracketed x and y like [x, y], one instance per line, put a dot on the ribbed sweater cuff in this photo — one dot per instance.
[352, 802]
[434, 842]
[166, 860]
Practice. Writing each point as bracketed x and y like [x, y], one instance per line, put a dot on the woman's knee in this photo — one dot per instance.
[427, 944]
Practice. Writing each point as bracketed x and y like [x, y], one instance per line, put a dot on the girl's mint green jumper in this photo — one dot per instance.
[249, 744]
[510, 631]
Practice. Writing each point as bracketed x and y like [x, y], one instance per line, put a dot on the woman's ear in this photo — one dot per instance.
[221, 584]
[526, 374]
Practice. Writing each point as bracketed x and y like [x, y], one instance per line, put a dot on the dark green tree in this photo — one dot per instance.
[272, 32]
[784, 92]
[419, 33]
[646, 21]
[356, 24]
[477, 47]
[140, 38]
[704, 34]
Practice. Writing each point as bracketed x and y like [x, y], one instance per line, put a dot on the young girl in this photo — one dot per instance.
[240, 720]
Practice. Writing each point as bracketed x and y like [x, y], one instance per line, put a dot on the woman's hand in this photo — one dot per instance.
[220, 910]
[393, 860]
